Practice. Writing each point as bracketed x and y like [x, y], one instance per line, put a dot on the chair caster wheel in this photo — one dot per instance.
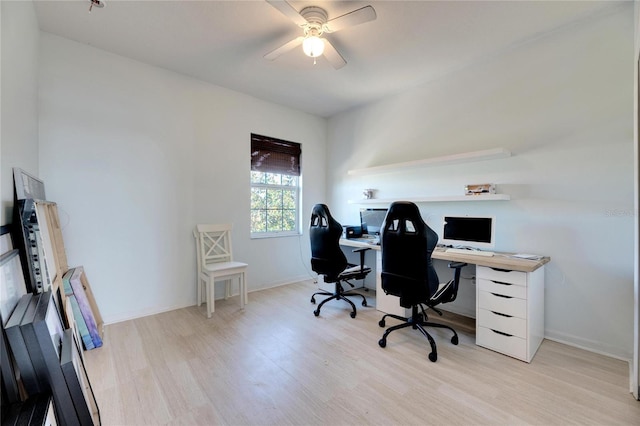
[454, 340]
[381, 323]
[433, 357]
[313, 300]
[364, 303]
[353, 314]
[316, 312]
[382, 343]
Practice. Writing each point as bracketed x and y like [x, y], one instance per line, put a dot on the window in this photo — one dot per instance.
[275, 187]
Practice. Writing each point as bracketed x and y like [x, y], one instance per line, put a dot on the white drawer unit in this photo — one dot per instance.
[510, 311]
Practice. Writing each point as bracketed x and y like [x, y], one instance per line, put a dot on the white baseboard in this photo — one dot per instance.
[589, 345]
[457, 310]
[144, 313]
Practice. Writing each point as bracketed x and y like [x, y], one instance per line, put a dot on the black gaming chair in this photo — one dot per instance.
[328, 259]
[408, 272]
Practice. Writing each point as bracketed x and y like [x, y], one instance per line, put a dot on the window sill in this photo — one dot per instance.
[262, 235]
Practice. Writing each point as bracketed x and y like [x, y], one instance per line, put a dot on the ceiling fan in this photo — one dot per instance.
[315, 23]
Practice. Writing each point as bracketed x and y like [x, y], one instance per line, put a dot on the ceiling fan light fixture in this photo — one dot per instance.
[95, 3]
[313, 46]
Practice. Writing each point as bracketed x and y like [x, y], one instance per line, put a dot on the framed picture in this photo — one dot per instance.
[12, 284]
[27, 186]
[12, 290]
[25, 370]
[43, 333]
[28, 239]
[6, 243]
[35, 411]
[78, 381]
[10, 379]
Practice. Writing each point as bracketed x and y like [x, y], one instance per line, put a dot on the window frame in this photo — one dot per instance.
[296, 189]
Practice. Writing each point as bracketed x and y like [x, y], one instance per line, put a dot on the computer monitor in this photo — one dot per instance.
[371, 220]
[468, 231]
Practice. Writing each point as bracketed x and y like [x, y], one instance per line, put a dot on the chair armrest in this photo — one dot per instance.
[361, 250]
[456, 275]
[457, 265]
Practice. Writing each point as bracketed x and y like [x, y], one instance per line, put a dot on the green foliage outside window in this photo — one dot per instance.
[274, 203]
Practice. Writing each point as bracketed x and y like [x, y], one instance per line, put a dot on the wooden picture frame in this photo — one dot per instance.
[50, 269]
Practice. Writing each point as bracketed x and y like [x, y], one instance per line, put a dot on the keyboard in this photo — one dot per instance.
[471, 252]
[373, 240]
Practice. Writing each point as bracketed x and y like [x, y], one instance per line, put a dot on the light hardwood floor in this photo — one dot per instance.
[275, 363]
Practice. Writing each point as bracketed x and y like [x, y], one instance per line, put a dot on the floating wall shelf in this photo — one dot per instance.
[436, 199]
[488, 154]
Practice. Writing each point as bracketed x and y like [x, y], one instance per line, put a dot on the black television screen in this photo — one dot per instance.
[371, 220]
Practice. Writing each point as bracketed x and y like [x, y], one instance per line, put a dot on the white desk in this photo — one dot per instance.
[509, 299]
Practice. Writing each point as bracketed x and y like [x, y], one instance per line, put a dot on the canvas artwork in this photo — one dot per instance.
[85, 306]
[73, 325]
[81, 324]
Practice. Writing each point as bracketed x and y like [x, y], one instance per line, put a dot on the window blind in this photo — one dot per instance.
[273, 155]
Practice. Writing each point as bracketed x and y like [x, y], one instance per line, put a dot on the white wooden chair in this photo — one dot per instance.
[215, 263]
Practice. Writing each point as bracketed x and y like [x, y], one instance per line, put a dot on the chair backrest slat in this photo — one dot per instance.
[215, 243]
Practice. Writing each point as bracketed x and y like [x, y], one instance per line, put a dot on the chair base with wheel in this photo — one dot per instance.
[417, 321]
[408, 272]
[338, 294]
[328, 260]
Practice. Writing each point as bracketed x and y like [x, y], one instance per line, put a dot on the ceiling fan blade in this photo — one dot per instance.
[289, 11]
[284, 48]
[335, 59]
[356, 17]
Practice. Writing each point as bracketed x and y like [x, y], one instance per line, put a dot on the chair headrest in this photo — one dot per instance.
[401, 212]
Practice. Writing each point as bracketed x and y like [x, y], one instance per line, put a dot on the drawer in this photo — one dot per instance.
[499, 322]
[511, 277]
[509, 345]
[503, 304]
[502, 288]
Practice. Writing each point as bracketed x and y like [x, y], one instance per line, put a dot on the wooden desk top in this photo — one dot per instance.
[498, 260]
[359, 242]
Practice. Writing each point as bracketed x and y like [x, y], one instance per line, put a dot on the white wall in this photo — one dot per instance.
[19, 105]
[135, 156]
[563, 105]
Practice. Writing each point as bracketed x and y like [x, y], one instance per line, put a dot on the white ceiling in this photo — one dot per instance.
[223, 42]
